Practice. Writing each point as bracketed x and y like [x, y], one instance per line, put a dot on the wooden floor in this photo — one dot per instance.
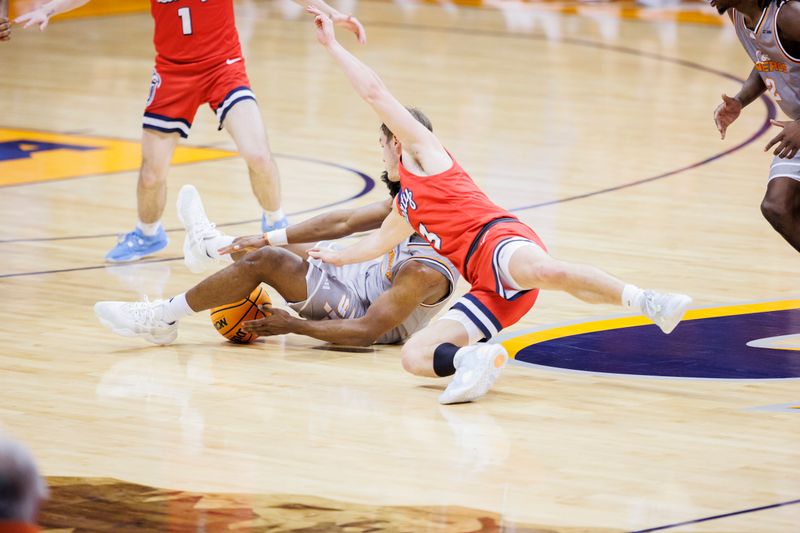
[596, 127]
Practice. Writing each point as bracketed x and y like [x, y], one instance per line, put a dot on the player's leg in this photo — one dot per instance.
[781, 207]
[158, 321]
[528, 266]
[151, 193]
[449, 347]
[243, 122]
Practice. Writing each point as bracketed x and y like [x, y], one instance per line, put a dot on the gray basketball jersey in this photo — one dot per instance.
[779, 70]
[337, 292]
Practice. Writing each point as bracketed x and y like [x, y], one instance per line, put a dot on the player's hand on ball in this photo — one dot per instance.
[5, 29]
[726, 113]
[788, 140]
[247, 243]
[324, 25]
[39, 17]
[326, 255]
[278, 322]
[351, 24]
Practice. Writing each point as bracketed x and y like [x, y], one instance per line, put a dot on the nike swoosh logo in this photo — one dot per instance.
[232, 61]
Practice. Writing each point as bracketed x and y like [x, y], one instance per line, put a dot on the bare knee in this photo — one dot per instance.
[258, 160]
[775, 212]
[149, 177]
[414, 360]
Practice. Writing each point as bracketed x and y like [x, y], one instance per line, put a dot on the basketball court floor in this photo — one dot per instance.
[592, 122]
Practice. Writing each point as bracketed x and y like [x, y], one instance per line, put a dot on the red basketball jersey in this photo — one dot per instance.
[191, 31]
[448, 210]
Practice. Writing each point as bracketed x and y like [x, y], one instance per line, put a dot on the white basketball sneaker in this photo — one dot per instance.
[478, 367]
[665, 309]
[200, 232]
[137, 319]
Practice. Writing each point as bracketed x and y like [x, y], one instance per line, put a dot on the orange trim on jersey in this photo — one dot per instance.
[778, 38]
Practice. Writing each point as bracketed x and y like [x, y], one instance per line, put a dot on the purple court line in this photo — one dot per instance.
[368, 185]
[717, 517]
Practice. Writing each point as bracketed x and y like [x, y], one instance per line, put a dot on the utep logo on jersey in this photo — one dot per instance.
[406, 201]
[771, 66]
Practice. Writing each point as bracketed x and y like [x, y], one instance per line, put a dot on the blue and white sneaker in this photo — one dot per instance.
[280, 224]
[135, 245]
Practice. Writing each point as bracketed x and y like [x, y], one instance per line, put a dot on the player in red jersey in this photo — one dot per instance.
[502, 258]
[198, 60]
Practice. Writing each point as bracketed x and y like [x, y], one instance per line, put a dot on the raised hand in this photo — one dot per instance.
[40, 17]
[726, 113]
[324, 24]
[788, 140]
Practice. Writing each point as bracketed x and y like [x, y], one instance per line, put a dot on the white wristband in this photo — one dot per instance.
[277, 237]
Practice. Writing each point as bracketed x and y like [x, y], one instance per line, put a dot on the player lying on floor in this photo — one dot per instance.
[375, 302]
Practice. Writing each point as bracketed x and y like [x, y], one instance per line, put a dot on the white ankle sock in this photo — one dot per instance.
[149, 229]
[274, 216]
[177, 308]
[632, 297]
[213, 245]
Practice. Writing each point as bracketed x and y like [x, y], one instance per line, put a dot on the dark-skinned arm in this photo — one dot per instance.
[787, 142]
[413, 285]
[752, 88]
[324, 227]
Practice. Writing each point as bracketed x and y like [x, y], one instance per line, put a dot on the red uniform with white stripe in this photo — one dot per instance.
[462, 224]
[198, 60]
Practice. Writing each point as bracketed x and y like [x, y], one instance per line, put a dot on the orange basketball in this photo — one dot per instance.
[227, 319]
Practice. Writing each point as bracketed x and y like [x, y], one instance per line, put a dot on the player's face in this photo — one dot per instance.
[391, 156]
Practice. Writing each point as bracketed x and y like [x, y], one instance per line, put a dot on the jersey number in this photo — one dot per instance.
[432, 238]
[186, 20]
[773, 90]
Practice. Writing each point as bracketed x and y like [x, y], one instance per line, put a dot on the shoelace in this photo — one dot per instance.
[202, 229]
[128, 238]
[651, 306]
[144, 312]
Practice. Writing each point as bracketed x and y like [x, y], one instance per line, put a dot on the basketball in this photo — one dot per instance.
[227, 319]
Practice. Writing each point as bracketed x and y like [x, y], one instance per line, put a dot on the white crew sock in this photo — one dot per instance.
[274, 216]
[149, 229]
[632, 297]
[177, 308]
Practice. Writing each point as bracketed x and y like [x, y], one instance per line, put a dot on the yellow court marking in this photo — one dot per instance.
[32, 156]
[515, 344]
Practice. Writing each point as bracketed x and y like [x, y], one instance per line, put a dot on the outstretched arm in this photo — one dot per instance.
[393, 230]
[327, 226]
[414, 284]
[417, 140]
[41, 15]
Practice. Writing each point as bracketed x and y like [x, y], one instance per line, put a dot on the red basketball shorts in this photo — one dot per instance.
[492, 304]
[177, 91]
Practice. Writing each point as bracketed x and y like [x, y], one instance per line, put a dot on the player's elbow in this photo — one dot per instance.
[374, 92]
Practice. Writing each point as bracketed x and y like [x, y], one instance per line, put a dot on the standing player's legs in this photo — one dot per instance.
[243, 122]
[151, 195]
[781, 206]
